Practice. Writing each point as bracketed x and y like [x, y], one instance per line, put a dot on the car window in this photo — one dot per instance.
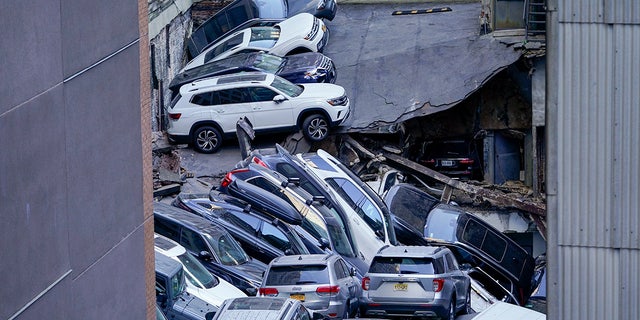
[359, 202]
[442, 225]
[297, 274]
[486, 240]
[223, 47]
[260, 94]
[206, 99]
[451, 263]
[234, 95]
[290, 172]
[238, 15]
[228, 249]
[196, 272]
[192, 241]
[166, 228]
[301, 313]
[340, 270]
[245, 221]
[161, 285]
[275, 237]
[402, 265]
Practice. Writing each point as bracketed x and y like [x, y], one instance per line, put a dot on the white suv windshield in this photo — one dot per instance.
[287, 87]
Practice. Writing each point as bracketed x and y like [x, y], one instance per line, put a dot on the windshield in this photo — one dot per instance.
[337, 231]
[264, 37]
[196, 273]
[268, 63]
[297, 275]
[177, 282]
[442, 224]
[287, 87]
[401, 265]
[229, 251]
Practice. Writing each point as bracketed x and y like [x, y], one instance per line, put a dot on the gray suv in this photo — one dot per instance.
[323, 282]
[415, 281]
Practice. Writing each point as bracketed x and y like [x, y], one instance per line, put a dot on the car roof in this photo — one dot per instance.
[266, 308]
[165, 265]
[167, 246]
[187, 219]
[304, 259]
[409, 251]
[213, 68]
[235, 79]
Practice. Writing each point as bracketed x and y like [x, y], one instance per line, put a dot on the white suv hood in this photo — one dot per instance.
[296, 27]
[322, 90]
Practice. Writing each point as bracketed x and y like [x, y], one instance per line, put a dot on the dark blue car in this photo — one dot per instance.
[308, 67]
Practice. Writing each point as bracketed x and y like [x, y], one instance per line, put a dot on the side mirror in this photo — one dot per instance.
[279, 98]
[352, 272]
[205, 255]
[465, 266]
[324, 244]
[380, 234]
[288, 252]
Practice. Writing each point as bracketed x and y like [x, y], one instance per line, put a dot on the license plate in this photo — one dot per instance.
[400, 287]
[446, 163]
[298, 297]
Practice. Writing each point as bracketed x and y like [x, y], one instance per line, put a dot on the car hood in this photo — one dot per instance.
[299, 63]
[322, 90]
[297, 26]
[216, 295]
[253, 268]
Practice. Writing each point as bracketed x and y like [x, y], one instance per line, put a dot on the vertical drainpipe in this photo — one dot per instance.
[554, 300]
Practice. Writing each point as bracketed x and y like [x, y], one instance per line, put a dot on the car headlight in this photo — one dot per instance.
[315, 74]
[340, 101]
[314, 30]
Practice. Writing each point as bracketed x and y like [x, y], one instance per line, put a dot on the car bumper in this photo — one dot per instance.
[178, 139]
[436, 309]
[334, 311]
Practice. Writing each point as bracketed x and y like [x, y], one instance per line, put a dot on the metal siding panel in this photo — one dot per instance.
[589, 281]
[630, 284]
[622, 11]
[627, 131]
[583, 11]
[585, 117]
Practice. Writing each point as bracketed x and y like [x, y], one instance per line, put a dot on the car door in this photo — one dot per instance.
[267, 113]
[229, 105]
[461, 280]
[347, 281]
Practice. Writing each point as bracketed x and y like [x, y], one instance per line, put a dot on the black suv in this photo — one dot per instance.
[211, 244]
[500, 264]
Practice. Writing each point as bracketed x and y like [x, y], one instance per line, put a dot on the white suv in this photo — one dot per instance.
[300, 33]
[206, 111]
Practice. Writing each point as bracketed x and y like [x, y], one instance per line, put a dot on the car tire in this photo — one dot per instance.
[207, 139]
[315, 128]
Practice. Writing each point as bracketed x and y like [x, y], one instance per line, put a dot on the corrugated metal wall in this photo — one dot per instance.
[598, 160]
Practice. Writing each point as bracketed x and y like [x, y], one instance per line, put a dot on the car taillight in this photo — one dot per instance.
[466, 161]
[327, 290]
[175, 116]
[430, 161]
[268, 292]
[438, 284]
[257, 160]
[365, 283]
[226, 181]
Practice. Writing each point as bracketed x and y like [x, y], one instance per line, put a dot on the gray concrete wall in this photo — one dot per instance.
[72, 238]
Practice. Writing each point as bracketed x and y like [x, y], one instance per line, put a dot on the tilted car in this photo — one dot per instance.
[415, 282]
[200, 282]
[263, 237]
[300, 33]
[457, 158]
[308, 67]
[505, 268]
[241, 14]
[323, 282]
[319, 221]
[368, 242]
[206, 111]
[264, 308]
[171, 296]
[214, 247]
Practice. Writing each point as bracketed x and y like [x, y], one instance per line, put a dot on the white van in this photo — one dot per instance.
[200, 282]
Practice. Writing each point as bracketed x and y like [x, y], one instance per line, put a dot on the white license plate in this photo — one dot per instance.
[446, 163]
[400, 287]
